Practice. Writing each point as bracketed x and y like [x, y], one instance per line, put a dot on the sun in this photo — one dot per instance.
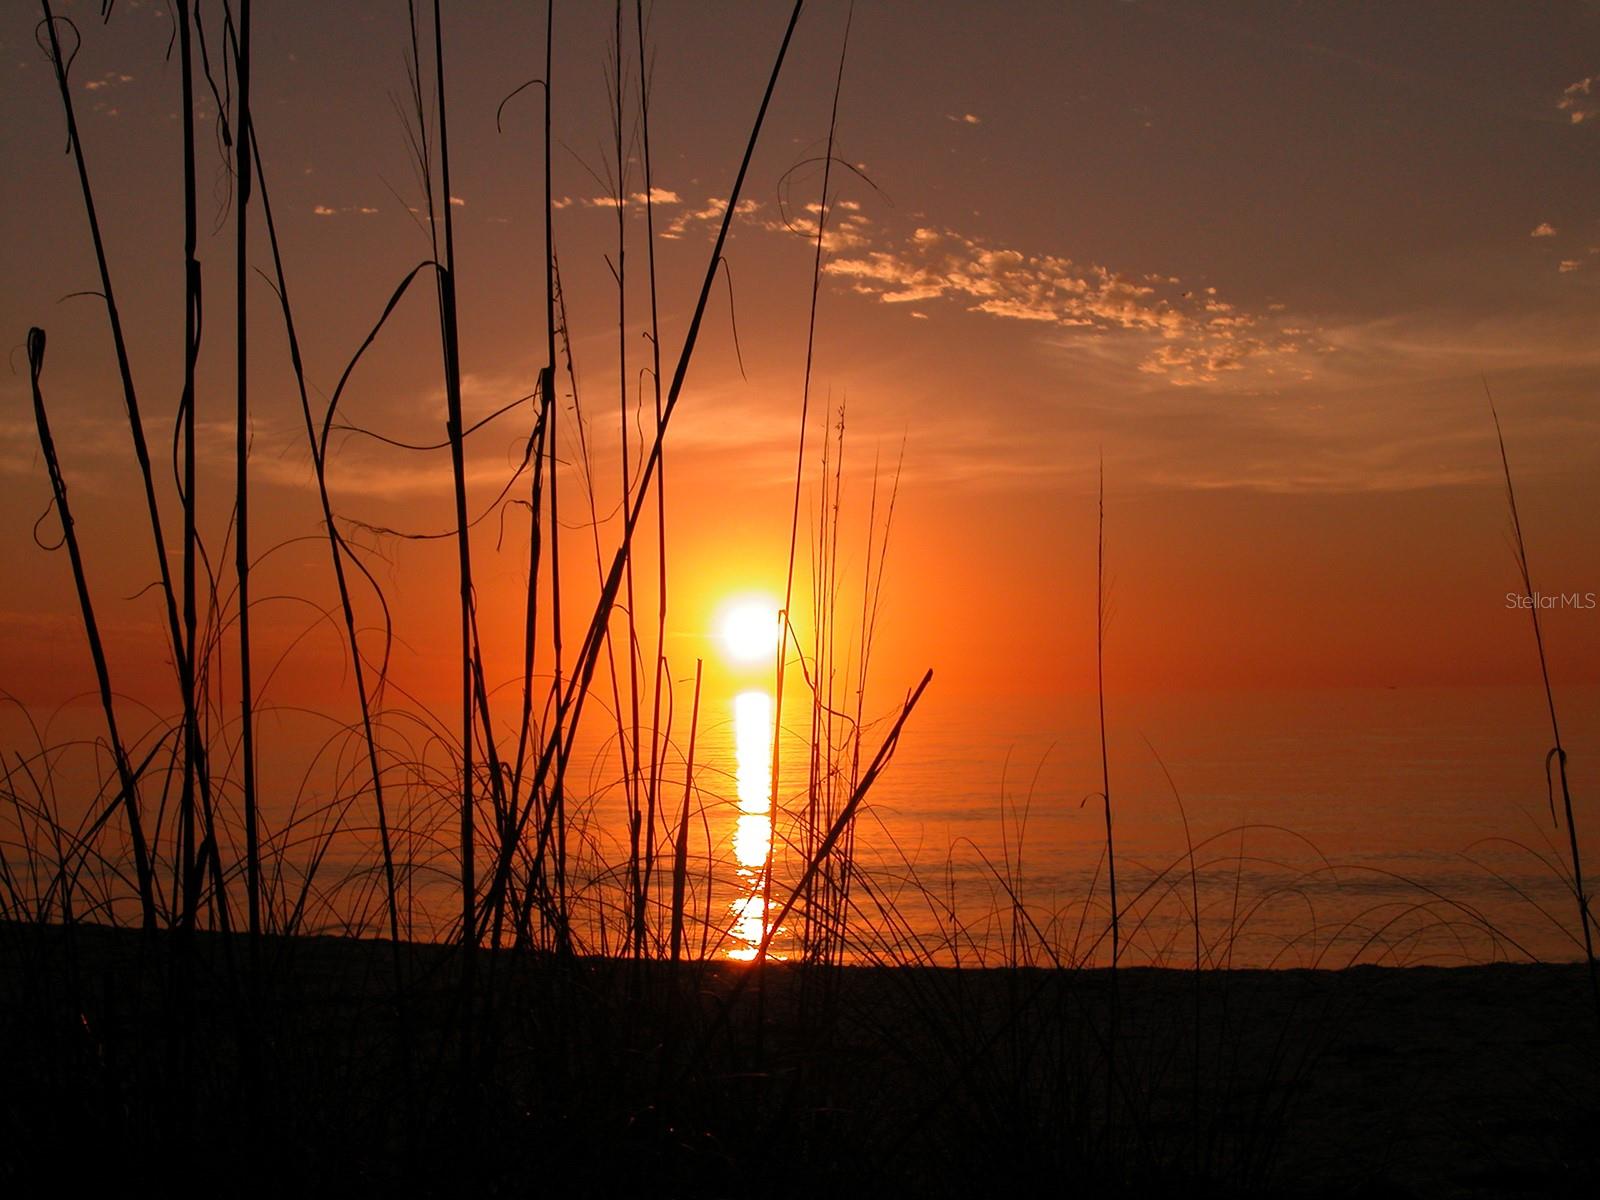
[749, 629]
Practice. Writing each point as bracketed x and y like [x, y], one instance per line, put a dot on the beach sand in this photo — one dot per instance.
[1405, 1081]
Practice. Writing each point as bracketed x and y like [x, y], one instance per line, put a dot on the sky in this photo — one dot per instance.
[1261, 261]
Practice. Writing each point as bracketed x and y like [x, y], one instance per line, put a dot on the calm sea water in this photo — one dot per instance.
[1407, 825]
[1401, 825]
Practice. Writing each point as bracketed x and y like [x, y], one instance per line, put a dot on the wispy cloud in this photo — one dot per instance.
[1543, 229]
[1189, 336]
[355, 476]
[99, 445]
[707, 214]
[964, 119]
[1407, 348]
[1579, 100]
[659, 196]
[110, 79]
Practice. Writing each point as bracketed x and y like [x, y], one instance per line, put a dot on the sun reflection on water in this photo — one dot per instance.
[752, 836]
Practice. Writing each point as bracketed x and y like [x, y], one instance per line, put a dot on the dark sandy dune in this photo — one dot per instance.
[632, 1079]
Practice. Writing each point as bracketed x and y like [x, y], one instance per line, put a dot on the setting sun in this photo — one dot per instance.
[749, 629]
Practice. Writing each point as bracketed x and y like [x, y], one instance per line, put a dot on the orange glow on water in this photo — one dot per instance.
[752, 837]
[752, 751]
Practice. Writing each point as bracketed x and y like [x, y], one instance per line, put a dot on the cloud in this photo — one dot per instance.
[1569, 264]
[96, 438]
[110, 79]
[1350, 434]
[846, 232]
[1579, 101]
[360, 210]
[658, 196]
[322, 210]
[711, 212]
[1543, 229]
[458, 201]
[1405, 348]
[1186, 337]
[964, 119]
[1017, 310]
[364, 476]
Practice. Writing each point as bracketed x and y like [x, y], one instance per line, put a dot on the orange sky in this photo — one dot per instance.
[1260, 262]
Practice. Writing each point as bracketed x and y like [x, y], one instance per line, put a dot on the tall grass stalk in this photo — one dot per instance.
[785, 629]
[577, 687]
[627, 719]
[242, 486]
[189, 857]
[847, 813]
[1558, 752]
[1105, 792]
[201, 849]
[542, 443]
[130, 398]
[181, 644]
[661, 680]
[339, 551]
[1100, 693]
[127, 778]
[871, 601]
[557, 805]
[471, 675]
[680, 844]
